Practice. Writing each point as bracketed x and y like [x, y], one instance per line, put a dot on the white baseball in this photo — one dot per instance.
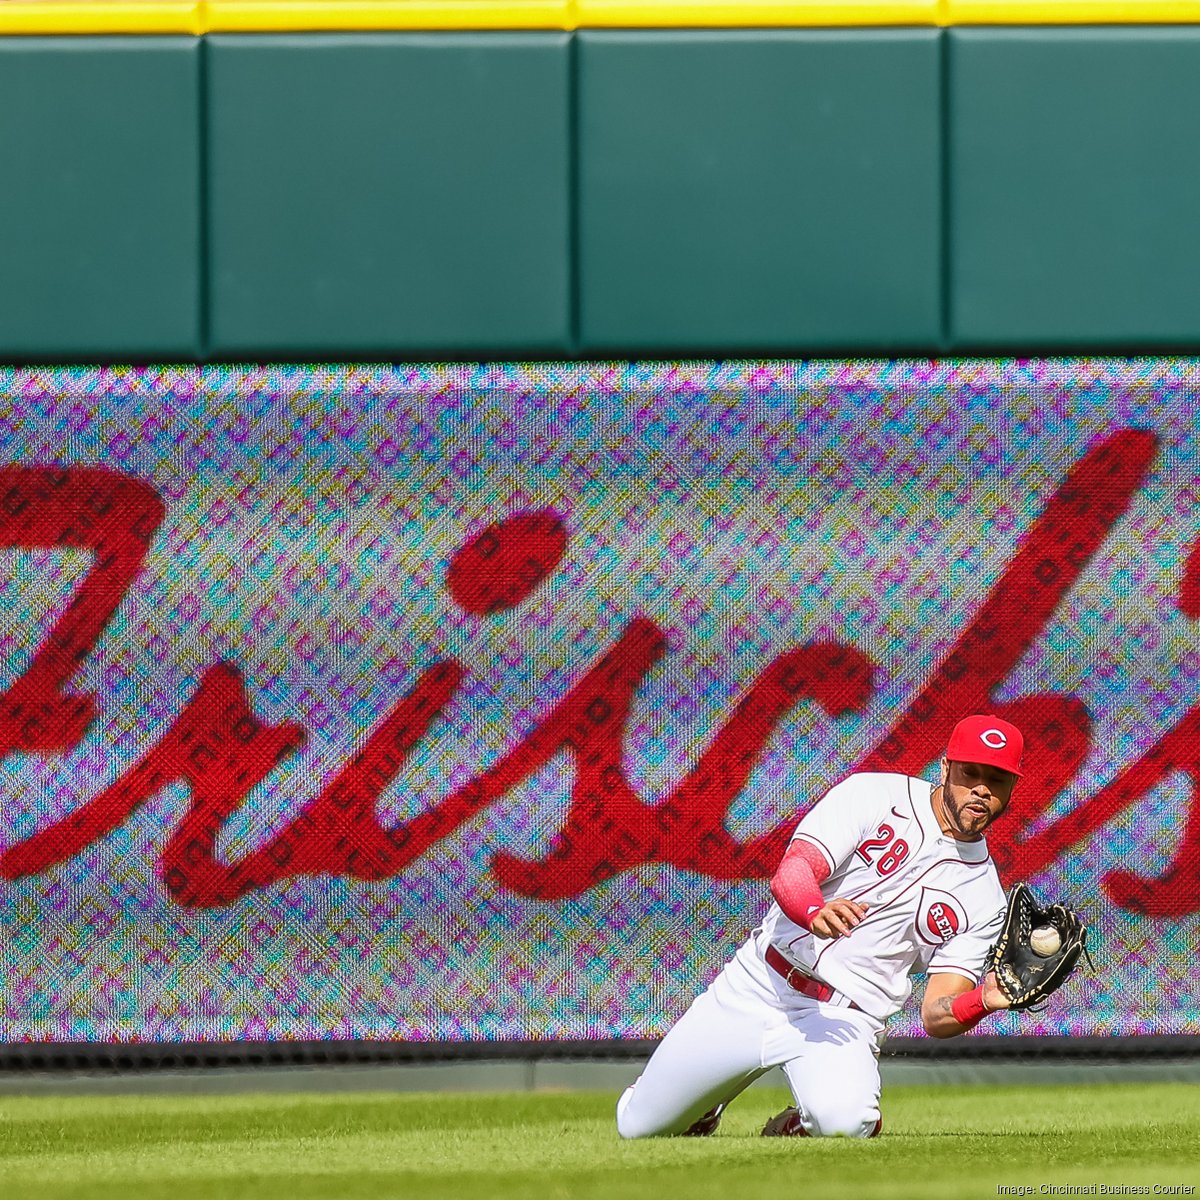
[1044, 940]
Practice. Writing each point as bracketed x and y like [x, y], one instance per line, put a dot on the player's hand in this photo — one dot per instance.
[993, 996]
[838, 918]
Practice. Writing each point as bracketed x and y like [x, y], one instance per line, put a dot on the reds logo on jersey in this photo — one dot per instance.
[939, 917]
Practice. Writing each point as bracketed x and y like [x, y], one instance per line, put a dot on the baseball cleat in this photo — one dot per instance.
[785, 1124]
[706, 1125]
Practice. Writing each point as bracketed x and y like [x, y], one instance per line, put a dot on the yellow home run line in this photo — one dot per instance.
[217, 16]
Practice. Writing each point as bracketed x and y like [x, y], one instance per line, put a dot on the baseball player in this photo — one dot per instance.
[885, 877]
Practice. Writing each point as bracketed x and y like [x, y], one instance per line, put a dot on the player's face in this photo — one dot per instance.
[973, 796]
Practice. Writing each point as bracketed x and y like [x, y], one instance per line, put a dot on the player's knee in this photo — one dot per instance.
[628, 1126]
[631, 1122]
[844, 1120]
[643, 1119]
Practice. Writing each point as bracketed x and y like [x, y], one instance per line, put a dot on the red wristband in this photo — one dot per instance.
[968, 1008]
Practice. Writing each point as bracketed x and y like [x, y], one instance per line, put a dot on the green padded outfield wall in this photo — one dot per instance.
[764, 189]
[389, 194]
[100, 221]
[1074, 185]
[546, 194]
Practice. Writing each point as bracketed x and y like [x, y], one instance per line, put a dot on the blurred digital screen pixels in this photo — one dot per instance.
[477, 703]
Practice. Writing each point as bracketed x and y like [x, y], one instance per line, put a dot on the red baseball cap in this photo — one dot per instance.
[987, 740]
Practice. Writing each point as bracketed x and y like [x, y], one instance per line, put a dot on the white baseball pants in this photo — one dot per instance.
[745, 1023]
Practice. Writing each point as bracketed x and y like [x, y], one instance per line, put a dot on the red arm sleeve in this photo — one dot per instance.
[796, 885]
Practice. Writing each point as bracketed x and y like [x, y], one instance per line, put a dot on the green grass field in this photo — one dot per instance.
[939, 1141]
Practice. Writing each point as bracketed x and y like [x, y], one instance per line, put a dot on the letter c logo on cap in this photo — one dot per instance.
[993, 739]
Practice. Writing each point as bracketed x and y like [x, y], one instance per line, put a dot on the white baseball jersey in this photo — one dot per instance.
[935, 903]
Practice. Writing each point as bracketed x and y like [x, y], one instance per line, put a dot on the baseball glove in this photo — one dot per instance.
[1024, 975]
